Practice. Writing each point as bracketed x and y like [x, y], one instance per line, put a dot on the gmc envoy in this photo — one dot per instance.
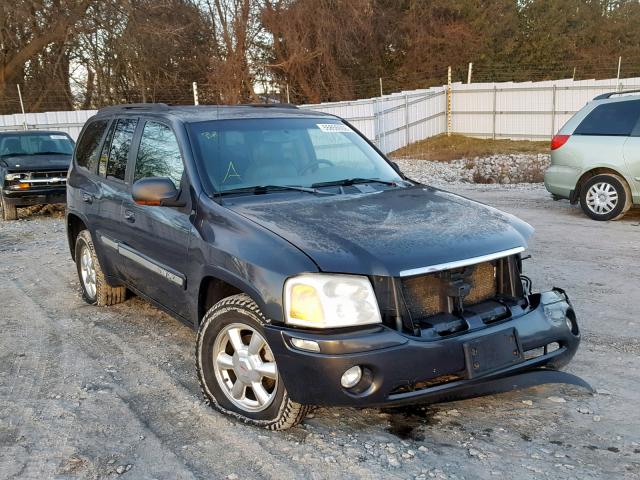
[314, 271]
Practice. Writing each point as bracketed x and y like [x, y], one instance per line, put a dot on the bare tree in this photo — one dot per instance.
[33, 39]
[236, 31]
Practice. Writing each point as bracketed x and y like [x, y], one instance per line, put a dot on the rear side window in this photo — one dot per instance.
[617, 119]
[120, 146]
[87, 152]
[159, 154]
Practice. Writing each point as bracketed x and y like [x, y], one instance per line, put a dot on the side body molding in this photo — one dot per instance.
[146, 262]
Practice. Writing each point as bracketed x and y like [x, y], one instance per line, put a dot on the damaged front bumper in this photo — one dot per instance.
[401, 369]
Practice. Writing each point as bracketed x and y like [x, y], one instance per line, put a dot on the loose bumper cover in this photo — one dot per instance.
[402, 369]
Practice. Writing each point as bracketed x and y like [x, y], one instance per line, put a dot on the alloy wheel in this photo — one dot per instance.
[245, 367]
[88, 272]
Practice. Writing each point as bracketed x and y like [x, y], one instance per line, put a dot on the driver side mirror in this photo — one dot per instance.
[156, 191]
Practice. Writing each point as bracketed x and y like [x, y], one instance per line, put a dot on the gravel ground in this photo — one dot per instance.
[89, 392]
[495, 169]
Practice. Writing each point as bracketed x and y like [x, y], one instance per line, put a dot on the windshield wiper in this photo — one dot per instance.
[261, 189]
[345, 182]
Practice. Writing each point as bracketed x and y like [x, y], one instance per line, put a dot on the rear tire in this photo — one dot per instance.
[9, 210]
[95, 289]
[231, 370]
[605, 197]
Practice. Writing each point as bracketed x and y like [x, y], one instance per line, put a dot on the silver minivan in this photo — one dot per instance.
[595, 157]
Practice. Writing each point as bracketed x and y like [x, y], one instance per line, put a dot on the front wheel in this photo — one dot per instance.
[236, 368]
[9, 210]
[605, 197]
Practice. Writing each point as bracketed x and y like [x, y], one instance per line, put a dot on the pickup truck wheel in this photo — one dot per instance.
[95, 290]
[236, 369]
[605, 197]
[9, 211]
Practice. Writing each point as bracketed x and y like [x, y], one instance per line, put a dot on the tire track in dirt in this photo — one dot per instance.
[164, 423]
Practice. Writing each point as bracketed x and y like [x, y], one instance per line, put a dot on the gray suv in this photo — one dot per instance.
[314, 272]
[595, 157]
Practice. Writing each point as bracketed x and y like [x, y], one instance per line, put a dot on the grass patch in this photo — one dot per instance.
[443, 148]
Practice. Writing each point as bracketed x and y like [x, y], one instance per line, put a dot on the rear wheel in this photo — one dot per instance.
[605, 197]
[236, 368]
[95, 289]
[9, 210]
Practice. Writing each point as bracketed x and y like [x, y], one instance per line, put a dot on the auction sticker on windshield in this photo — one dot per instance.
[334, 128]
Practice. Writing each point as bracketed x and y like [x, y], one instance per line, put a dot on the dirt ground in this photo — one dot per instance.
[88, 392]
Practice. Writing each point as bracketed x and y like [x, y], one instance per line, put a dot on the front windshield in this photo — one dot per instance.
[35, 144]
[241, 154]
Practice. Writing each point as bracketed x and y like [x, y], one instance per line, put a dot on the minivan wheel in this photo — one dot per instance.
[236, 369]
[605, 197]
[9, 210]
[95, 289]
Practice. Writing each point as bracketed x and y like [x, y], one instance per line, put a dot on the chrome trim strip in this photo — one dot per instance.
[132, 255]
[44, 180]
[109, 243]
[150, 265]
[460, 263]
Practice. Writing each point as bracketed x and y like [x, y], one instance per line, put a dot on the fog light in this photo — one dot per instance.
[303, 344]
[351, 377]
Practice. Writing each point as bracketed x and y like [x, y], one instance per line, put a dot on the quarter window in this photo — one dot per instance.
[119, 149]
[616, 119]
[87, 150]
[159, 154]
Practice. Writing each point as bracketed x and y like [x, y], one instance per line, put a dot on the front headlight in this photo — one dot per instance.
[13, 176]
[320, 300]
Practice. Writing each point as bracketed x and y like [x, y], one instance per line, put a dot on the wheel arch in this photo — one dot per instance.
[214, 287]
[75, 224]
[592, 172]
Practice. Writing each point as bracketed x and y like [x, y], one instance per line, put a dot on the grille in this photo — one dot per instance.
[427, 295]
[43, 179]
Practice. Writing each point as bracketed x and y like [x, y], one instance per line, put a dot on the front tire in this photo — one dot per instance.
[236, 369]
[9, 210]
[605, 197]
[95, 289]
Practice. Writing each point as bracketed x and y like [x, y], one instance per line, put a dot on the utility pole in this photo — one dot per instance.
[449, 122]
[195, 93]
[574, 74]
[469, 72]
[618, 76]
[288, 99]
[383, 133]
[24, 116]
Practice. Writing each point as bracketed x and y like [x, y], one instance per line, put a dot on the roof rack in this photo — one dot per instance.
[269, 105]
[604, 96]
[135, 106]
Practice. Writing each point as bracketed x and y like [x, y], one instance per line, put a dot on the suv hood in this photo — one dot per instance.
[36, 162]
[386, 232]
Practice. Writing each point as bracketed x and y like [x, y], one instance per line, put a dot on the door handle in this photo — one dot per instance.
[87, 197]
[129, 216]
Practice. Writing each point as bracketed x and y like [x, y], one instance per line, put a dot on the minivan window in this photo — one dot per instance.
[120, 145]
[87, 150]
[616, 119]
[285, 152]
[159, 154]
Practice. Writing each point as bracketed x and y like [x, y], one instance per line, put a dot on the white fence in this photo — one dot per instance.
[70, 122]
[527, 110]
